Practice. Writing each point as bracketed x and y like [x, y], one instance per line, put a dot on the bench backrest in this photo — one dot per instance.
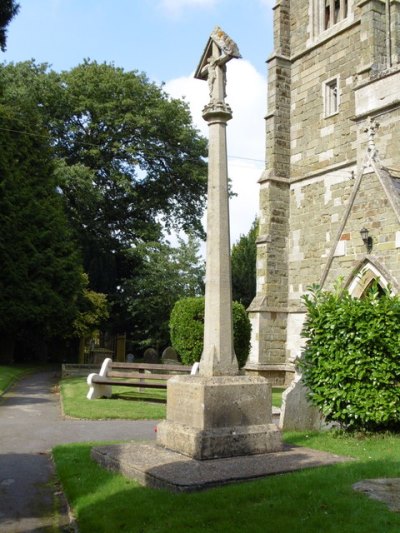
[150, 366]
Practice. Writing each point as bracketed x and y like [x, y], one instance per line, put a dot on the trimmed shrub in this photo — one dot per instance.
[187, 330]
[351, 361]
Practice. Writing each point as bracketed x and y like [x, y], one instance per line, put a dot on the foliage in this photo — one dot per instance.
[244, 258]
[130, 161]
[187, 330]
[164, 275]
[124, 159]
[40, 276]
[351, 360]
[93, 311]
[324, 496]
[8, 10]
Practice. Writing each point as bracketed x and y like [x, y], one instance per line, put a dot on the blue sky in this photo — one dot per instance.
[165, 39]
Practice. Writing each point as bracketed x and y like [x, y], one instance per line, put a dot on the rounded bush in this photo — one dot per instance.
[351, 360]
[187, 330]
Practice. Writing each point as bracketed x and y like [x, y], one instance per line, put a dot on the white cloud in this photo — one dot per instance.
[246, 94]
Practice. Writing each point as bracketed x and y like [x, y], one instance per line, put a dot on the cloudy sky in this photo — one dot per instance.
[165, 39]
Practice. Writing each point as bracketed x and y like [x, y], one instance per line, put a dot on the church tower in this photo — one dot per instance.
[332, 166]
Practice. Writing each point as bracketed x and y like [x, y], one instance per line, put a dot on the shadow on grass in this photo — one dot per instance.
[305, 501]
[127, 398]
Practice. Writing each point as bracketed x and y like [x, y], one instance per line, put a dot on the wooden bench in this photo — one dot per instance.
[140, 375]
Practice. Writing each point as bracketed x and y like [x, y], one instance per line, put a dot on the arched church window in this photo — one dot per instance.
[373, 285]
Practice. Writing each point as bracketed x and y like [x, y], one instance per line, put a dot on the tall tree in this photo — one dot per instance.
[128, 163]
[8, 10]
[244, 258]
[40, 275]
[130, 160]
[167, 274]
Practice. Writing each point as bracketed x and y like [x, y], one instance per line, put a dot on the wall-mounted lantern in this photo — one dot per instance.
[367, 239]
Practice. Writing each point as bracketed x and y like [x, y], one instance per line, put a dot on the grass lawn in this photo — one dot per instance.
[10, 373]
[307, 501]
[277, 396]
[124, 404]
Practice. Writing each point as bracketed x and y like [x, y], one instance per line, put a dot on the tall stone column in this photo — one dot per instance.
[218, 357]
[218, 413]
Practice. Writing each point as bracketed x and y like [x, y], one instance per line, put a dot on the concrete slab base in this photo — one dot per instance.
[156, 467]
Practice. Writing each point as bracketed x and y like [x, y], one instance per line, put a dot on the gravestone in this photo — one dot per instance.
[151, 356]
[169, 355]
[297, 413]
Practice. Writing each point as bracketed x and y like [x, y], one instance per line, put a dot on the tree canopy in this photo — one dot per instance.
[40, 275]
[244, 258]
[122, 162]
[8, 10]
[165, 275]
[130, 162]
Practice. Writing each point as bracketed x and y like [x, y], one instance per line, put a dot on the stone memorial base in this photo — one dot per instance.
[216, 417]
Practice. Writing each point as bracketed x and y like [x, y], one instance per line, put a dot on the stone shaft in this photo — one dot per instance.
[218, 355]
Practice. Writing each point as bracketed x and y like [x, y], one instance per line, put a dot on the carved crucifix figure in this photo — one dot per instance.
[220, 49]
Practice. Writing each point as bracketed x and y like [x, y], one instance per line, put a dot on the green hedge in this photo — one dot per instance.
[187, 329]
[351, 361]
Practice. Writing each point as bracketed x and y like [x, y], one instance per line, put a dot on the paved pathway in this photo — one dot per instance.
[30, 425]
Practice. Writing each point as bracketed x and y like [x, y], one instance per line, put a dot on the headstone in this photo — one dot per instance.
[151, 356]
[297, 413]
[169, 355]
[130, 357]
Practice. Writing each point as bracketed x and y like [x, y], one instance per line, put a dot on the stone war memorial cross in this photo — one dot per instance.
[219, 412]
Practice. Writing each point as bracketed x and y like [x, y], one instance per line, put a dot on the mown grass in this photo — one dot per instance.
[125, 403]
[277, 396]
[11, 373]
[308, 501]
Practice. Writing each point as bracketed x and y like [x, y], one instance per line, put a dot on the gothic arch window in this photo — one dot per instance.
[364, 279]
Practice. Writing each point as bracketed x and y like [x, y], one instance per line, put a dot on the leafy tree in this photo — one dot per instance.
[93, 311]
[127, 163]
[244, 258]
[351, 360]
[166, 274]
[8, 10]
[40, 275]
[130, 161]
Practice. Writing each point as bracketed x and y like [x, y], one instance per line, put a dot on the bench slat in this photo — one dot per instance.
[150, 366]
[134, 375]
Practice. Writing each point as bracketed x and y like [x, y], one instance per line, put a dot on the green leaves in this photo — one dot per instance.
[187, 330]
[8, 10]
[244, 258]
[351, 359]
